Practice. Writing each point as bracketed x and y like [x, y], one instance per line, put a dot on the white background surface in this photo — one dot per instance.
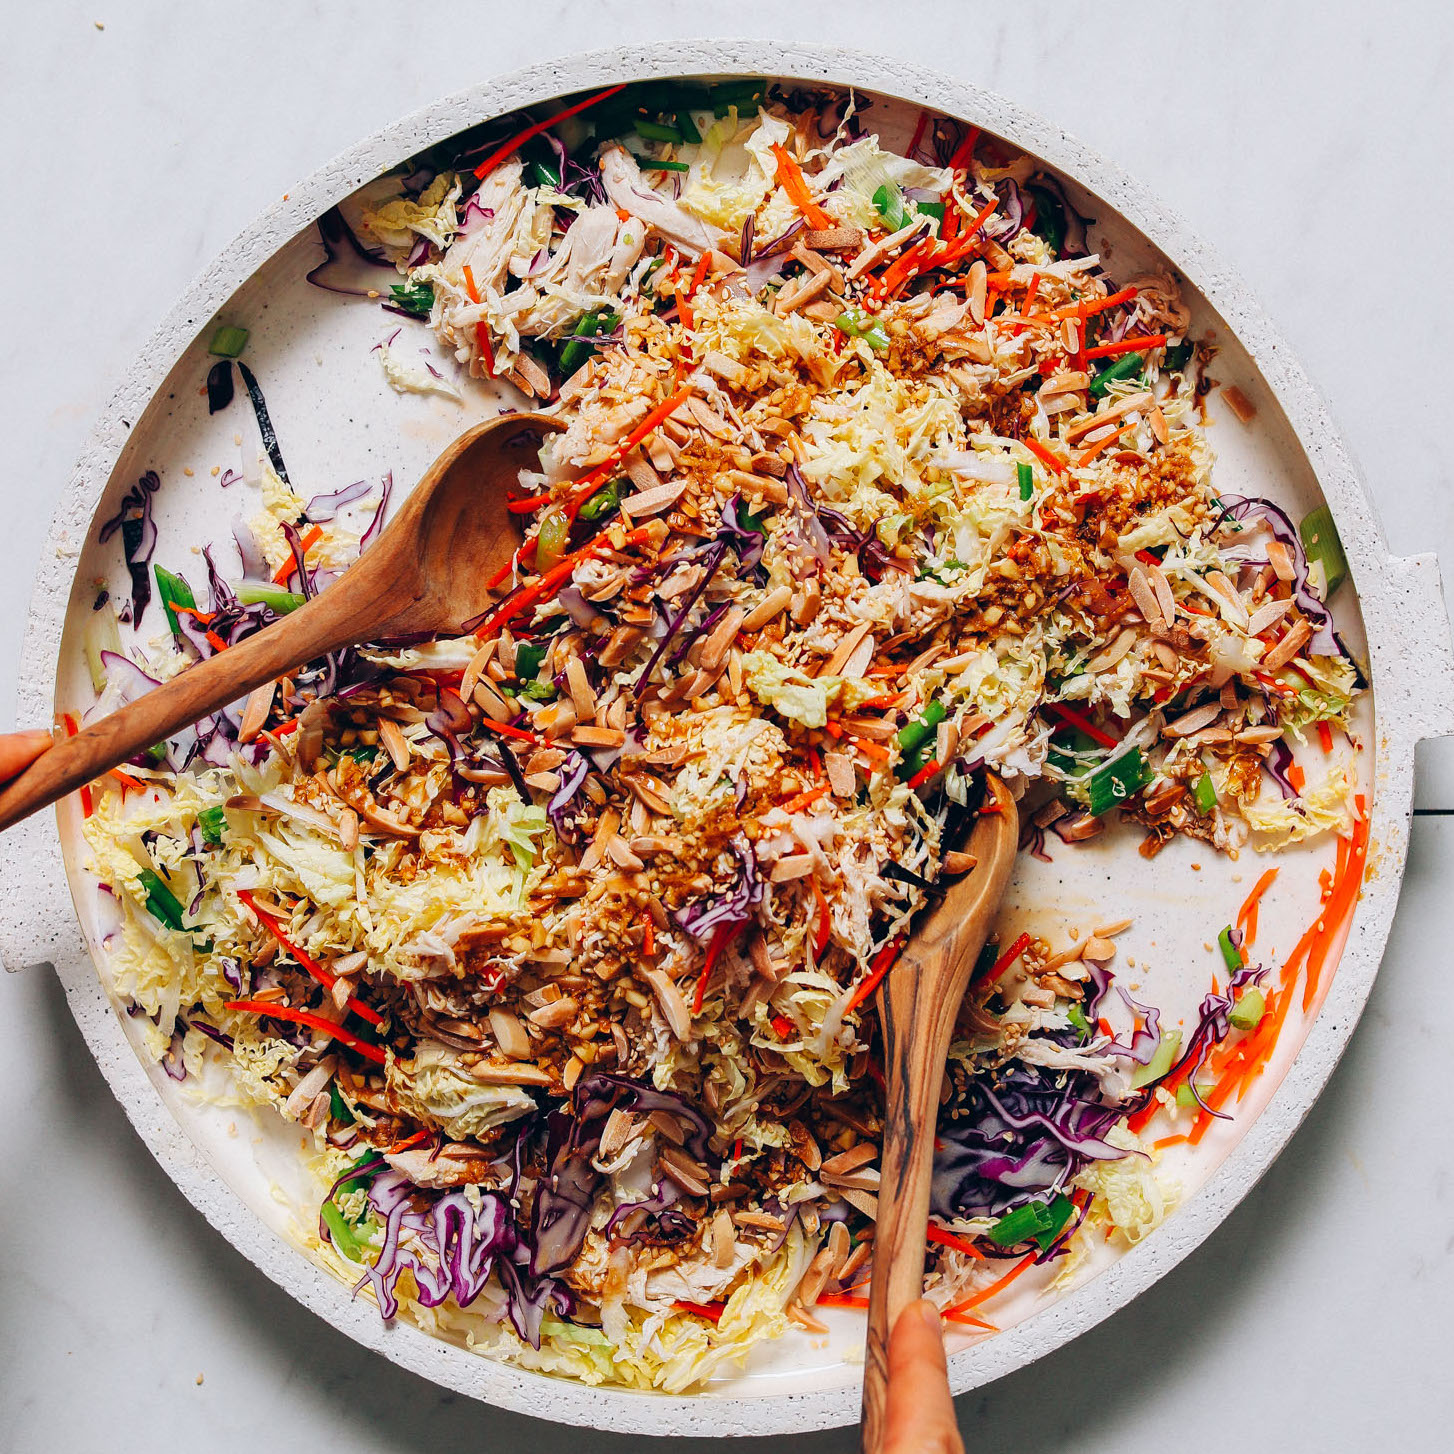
[1309, 143]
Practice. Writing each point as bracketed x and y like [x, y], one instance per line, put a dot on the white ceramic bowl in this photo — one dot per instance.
[339, 423]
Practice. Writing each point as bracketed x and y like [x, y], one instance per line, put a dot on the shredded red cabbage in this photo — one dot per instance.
[138, 541]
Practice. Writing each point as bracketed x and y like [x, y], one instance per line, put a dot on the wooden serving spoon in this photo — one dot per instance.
[917, 1005]
[425, 574]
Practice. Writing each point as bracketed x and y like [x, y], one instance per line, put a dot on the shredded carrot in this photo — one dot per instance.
[1072, 718]
[874, 751]
[964, 152]
[314, 1022]
[950, 1316]
[1087, 455]
[1297, 777]
[409, 1141]
[925, 773]
[1046, 456]
[885, 701]
[711, 1311]
[648, 935]
[469, 284]
[802, 800]
[997, 1286]
[1025, 306]
[1127, 345]
[941, 1238]
[1167, 1141]
[840, 1300]
[876, 971]
[307, 543]
[504, 729]
[1247, 914]
[127, 781]
[714, 953]
[1340, 905]
[500, 153]
[1325, 736]
[1006, 959]
[790, 178]
[1086, 310]
[590, 483]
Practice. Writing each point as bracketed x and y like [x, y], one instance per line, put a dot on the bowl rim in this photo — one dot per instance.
[1412, 668]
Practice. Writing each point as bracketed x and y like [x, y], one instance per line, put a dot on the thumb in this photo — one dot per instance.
[19, 749]
[919, 1414]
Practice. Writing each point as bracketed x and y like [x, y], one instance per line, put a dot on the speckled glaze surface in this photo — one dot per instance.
[1412, 668]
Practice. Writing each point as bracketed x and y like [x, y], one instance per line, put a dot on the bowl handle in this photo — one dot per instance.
[1415, 671]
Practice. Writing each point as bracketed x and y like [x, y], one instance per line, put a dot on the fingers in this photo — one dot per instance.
[920, 1413]
[19, 749]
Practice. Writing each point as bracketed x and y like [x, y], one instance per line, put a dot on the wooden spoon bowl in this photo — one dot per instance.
[426, 574]
[917, 1005]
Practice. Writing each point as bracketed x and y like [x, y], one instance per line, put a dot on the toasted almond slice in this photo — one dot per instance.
[555, 1014]
[726, 369]
[1255, 736]
[673, 1006]
[977, 291]
[619, 851]
[724, 1239]
[1266, 616]
[1194, 720]
[1292, 643]
[255, 711]
[793, 866]
[847, 645]
[864, 1179]
[531, 377]
[842, 775]
[1144, 596]
[709, 419]
[395, 743]
[488, 1073]
[862, 1201]
[1279, 557]
[688, 1174]
[773, 604]
[1118, 648]
[654, 500]
[584, 735]
[1239, 403]
[491, 702]
[846, 1162]
[639, 471]
[1097, 950]
[714, 649]
[578, 683]
[510, 1035]
[1128, 405]
[475, 670]
[761, 487]
[956, 862]
[1109, 931]
[1164, 596]
[619, 1129]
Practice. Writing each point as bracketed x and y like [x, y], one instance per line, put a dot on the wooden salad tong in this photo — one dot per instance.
[426, 574]
[917, 1005]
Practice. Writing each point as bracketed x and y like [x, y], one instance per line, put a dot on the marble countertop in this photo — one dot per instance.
[1308, 142]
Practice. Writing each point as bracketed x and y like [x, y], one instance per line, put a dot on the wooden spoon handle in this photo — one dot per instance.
[330, 620]
[917, 1014]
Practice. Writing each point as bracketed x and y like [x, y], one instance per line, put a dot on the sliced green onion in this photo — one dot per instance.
[1231, 955]
[228, 342]
[213, 823]
[577, 350]
[415, 299]
[921, 729]
[687, 126]
[931, 209]
[1247, 1013]
[1159, 1063]
[657, 164]
[275, 598]
[551, 542]
[345, 1235]
[735, 93]
[1057, 1214]
[540, 691]
[658, 131]
[1020, 1225]
[1320, 540]
[606, 501]
[174, 591]
[338, 1107]
[161, 903]
[1178, 356]
[1116, 781]
[1049, 218]
[987, 957]
[1076, 1015]
[528, 657]
[855, 323]
[889, 203]
[1205, 794]
[1026, 477]
[1125, 367]
[1185, 1096]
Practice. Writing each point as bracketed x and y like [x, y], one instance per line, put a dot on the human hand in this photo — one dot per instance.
[919, 1414]
[19, 749]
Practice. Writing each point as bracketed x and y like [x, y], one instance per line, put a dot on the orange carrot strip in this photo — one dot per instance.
[1046, 456]
[790, 178]
[500, 153]
[940, 1238]
[801, 800]
[311, 539]
[1127, 345]
[314, 1022]
[1247, 914]
[876, 971]
[1325, 736]
[998, 1286]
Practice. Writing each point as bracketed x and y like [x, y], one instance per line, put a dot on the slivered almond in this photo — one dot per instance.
[510, 1035]
[554, 1015]
[866, 1178]
[977, 290]
[490, 1074]
[1067, 381]
[849, 1161]
[673, 1007]
[771, 605]
[1162, 587]
[395, 743]
[1292, 643]
[714, 649]
[1109, 931]
[956, 862]
[586, 736]
[668, 1126]
[491, 702]
[862, 1201]
[845, 649]
[478, 662]
[793, 866]
[651, 791]
[1097, 950]
[709, 419]
[761, 487]
[726, 369]
[815, 1279]
[639, 471]
[1118, 648]
[255, 711]
[619, 851]
[1194, 720]
[654, 500]
[578, 683]
[724, 1239]
[687, 1174]
[531, 376]
[648, 845]
[620, 1128]
[813, 287]
[1268, 615]
[1128, 405]
[1144, 596]
[842, 775]
[555, 719]
[1279, 557]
